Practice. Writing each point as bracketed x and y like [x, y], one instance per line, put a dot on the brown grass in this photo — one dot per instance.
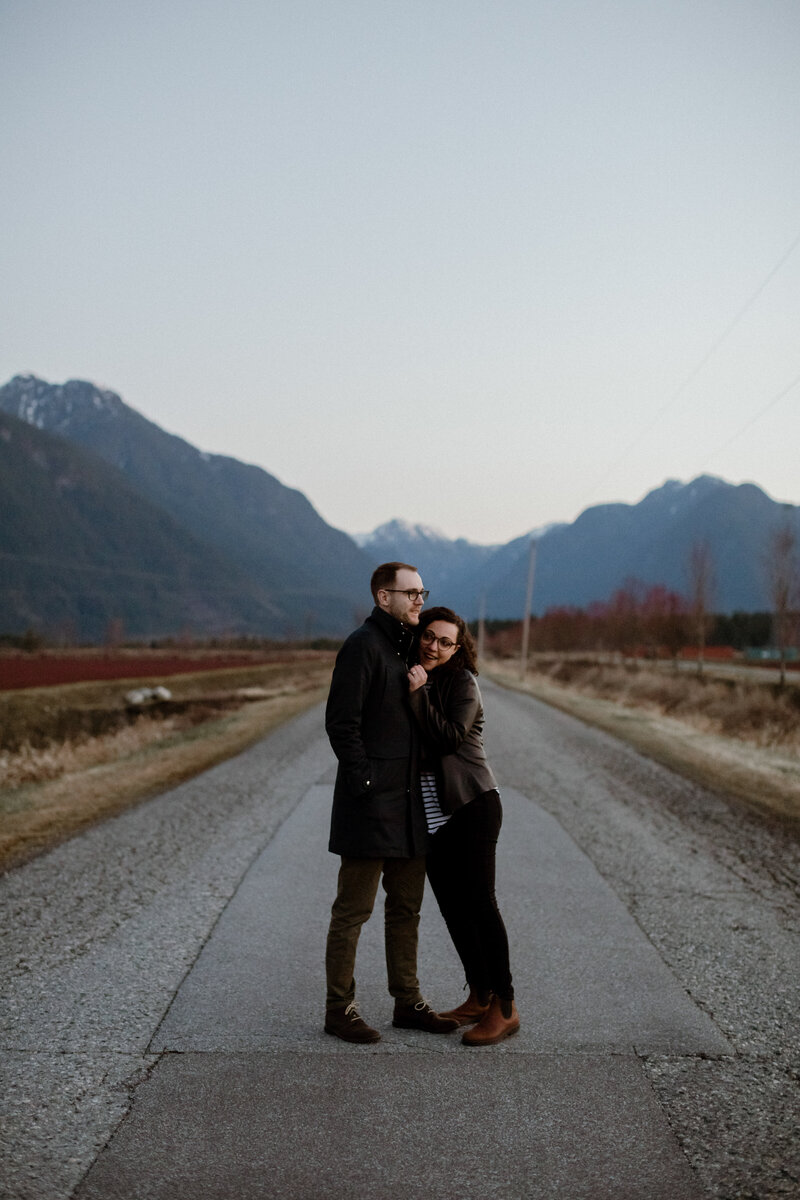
[51, 788]
[757, 712]
[734, 736]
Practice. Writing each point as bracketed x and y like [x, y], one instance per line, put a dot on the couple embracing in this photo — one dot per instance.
[414, 794]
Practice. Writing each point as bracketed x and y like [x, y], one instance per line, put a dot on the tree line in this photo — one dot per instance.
[637, 619]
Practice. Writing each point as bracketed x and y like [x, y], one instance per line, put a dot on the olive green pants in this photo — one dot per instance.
[403, 882]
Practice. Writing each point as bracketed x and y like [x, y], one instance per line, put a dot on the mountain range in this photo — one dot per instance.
[586, 561]
[106, 517]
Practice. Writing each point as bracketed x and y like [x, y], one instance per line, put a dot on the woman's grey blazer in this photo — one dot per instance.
[450, 713]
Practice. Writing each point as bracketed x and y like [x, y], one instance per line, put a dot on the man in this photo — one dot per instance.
[378, 821]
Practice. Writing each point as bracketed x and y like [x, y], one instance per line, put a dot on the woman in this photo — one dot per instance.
[464, 815]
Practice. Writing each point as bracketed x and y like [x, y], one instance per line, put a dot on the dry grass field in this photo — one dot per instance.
[73, 754]
[735, 736]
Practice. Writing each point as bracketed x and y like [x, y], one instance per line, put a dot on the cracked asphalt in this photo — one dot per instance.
[654, 930]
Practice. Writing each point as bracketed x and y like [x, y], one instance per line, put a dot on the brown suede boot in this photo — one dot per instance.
[470, 1011]
[501, 1021]
[421, 1016]
[347, 1024]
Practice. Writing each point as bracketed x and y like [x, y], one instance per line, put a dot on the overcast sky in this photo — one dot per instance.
[474, 264]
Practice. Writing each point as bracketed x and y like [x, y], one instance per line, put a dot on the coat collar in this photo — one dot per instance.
[401, 636]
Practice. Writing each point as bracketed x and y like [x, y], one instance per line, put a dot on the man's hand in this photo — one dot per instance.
[417, 678]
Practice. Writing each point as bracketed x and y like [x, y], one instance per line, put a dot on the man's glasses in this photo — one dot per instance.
[444, 642]
[412, 593]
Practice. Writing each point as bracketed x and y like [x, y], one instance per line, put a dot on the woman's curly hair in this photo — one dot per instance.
[466, 655]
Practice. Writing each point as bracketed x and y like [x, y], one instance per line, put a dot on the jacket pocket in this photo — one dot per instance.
[388, 778]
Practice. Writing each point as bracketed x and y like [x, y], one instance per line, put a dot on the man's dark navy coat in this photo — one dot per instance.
[377, 810]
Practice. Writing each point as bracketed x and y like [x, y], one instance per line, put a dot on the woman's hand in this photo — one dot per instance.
[417, 678]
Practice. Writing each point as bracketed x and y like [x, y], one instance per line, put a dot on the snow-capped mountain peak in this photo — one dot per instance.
[47, 406]
[400, 530]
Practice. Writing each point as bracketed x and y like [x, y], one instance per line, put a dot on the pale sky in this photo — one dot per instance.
[472, 264]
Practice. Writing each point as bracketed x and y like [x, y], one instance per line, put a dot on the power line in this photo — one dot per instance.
[757, 417]
[689, 379]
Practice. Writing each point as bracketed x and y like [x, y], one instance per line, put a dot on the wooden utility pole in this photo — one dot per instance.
[526, 620]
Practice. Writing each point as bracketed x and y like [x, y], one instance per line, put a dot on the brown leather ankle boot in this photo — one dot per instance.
[470, 1011]
[501, 1021]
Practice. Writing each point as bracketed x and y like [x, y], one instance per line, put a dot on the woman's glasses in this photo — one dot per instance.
[429, 638]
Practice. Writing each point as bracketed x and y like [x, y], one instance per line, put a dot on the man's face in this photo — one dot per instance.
[395, 601]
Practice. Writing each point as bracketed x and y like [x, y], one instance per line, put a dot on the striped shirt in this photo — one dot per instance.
[434, 816]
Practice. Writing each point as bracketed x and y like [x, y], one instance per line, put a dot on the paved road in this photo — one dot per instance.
[162, 1000]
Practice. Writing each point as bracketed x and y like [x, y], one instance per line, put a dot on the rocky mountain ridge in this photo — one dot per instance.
[255, 556]
[586, 561]
[310, 576]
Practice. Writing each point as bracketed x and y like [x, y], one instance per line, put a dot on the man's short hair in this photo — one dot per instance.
[385, 575]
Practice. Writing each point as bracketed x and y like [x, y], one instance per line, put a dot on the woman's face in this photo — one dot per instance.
[438, 642]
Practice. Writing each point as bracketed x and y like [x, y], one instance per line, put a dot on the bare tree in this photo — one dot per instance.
[623, 617]
[664, 622]
[784, 586]
[701, 593]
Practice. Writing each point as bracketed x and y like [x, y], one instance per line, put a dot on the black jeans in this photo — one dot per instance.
[461, 870]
